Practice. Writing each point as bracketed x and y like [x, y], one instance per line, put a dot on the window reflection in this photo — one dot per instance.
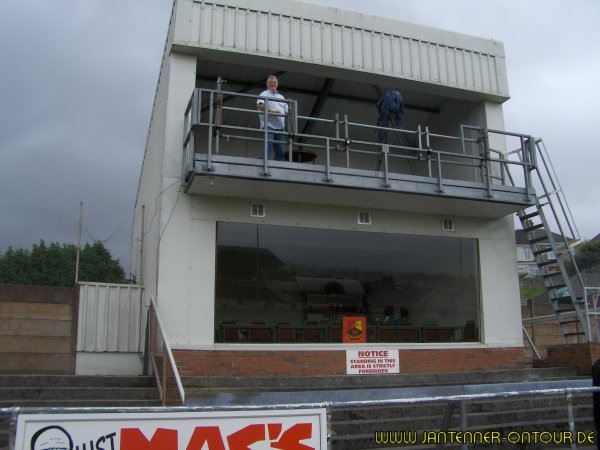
[292, 284]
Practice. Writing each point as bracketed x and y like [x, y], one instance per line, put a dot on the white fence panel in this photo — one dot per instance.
[111, 318]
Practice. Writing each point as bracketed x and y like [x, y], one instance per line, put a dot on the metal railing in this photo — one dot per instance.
[591, 297]
[453, 403]
[163, 362]
[341, 143]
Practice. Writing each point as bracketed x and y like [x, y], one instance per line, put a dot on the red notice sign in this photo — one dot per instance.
[354, 329]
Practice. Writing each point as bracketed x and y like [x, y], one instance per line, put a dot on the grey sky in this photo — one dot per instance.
[78, 77]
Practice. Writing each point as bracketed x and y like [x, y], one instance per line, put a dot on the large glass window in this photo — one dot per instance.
[291, 284]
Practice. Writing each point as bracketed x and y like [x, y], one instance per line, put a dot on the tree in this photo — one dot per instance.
[97, 265]
[54, 265]
[588, 257]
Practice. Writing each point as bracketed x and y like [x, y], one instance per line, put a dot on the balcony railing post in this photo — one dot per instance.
[485, 140]
[328, 176]
[292, 123]
[440, 187]
[266, 140]
[209, 165]
[439, 165]
[197, 107]
[523, 157]
[219, 113]
[532, 164]
[295, 117]
[337, 130]
[385, 149]
[347, 141]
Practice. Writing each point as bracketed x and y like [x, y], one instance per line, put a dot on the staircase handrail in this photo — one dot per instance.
[568, 215]
[168, 363]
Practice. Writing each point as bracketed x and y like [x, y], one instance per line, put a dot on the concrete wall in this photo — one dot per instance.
[38, 329]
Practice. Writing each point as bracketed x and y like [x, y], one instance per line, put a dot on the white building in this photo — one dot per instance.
[247, 256]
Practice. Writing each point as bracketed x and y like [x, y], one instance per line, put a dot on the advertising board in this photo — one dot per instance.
[299, 429]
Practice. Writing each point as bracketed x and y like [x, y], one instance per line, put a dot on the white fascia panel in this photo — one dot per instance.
[314, 34]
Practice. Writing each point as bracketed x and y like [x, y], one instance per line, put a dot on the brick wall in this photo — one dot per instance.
[546, 334]
[254, 363]
[38, 329]
[580, 356]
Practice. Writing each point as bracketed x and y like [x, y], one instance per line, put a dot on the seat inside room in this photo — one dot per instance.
[260, 332]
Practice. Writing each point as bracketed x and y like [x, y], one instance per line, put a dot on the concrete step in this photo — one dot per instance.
[7, 381]
[73, 391]
[47, 390]
[198, 385]
[16, 395]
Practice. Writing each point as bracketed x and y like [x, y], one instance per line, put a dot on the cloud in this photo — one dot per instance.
[77, 98]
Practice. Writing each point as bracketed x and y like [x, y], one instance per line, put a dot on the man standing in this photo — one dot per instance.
[277, 110]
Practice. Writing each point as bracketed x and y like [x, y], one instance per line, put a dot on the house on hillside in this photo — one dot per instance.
[254, 263]
[526, 263]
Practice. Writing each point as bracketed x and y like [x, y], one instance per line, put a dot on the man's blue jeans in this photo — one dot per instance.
[276, 142]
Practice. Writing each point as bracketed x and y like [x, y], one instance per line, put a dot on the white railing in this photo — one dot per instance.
[163, 362]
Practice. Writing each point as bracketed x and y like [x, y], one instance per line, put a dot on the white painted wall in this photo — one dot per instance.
[108, 363]
[188, 287]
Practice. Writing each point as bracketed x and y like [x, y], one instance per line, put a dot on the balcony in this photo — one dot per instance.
[336, 161]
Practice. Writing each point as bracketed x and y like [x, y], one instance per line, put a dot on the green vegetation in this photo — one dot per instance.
[532, 292]
[588, 257]
[54, 265]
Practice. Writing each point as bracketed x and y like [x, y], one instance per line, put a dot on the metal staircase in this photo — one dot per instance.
[553, 252]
